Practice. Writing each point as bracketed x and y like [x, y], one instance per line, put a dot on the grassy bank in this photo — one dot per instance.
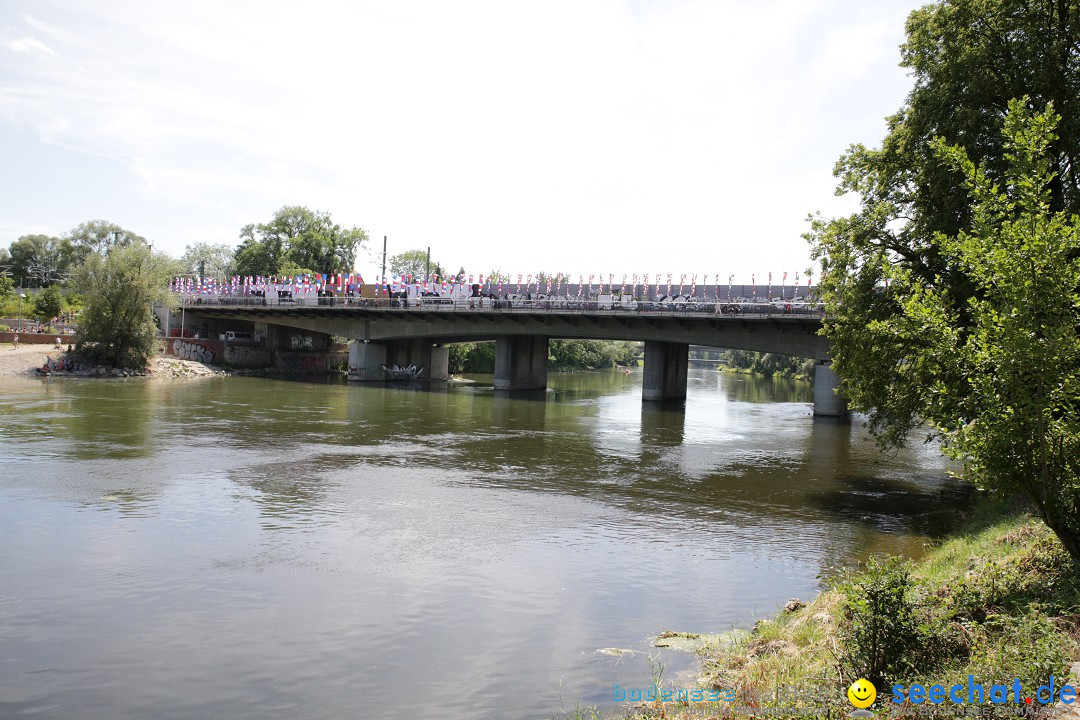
[999, 600]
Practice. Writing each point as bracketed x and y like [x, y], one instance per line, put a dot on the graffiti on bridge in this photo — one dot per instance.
[301, 342]
[188, 350]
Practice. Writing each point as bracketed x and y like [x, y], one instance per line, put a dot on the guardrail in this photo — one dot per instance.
[547, 306]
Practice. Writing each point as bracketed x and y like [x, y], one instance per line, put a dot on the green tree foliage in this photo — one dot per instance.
[768, 364]
[117, 326]
[1002, 371]
[563, 355]
[213, 259]
[297, 238]
[7, 287]
[99, 236]
[590, 354]
[414, 263]
[476, 357]
[968, 59]
[40, 260]
[49, 303]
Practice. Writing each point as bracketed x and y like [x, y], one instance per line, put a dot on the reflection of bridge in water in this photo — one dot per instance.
[415, 330]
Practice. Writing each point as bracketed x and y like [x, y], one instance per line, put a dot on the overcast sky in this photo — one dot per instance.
[588, 136]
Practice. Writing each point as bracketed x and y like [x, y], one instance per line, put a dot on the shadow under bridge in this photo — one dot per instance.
[414, 335]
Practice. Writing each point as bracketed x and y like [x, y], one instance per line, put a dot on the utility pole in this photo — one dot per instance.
[427, 266]
[383, 280]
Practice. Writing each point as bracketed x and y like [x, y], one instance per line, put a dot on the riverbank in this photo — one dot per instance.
[999, 601]
[25, 361]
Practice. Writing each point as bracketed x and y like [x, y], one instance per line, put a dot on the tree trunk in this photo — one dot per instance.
[1065, 527]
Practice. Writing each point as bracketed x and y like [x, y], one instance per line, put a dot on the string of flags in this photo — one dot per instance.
[654, 284]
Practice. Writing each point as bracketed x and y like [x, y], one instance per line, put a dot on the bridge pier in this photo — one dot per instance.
[664, 375]
[367, 358]
[521, 362]
[366, 361]
[827, 401]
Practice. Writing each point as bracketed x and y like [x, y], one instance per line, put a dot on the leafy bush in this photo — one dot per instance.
[879, 628]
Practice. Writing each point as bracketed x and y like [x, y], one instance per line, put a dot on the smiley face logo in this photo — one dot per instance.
[862, 693]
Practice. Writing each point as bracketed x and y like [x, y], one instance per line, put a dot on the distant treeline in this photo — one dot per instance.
[767, 364]
[563, 355]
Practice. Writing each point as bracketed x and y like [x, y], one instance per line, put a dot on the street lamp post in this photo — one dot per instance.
[22, 296]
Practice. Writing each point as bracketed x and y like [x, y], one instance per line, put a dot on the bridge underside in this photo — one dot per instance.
[407, 337]
[786, 335]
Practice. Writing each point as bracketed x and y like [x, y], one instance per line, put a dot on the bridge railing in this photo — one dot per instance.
[478, 304]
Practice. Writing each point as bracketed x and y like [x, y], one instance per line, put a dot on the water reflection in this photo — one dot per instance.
[742, 387]
[661, 426]
[251, 548]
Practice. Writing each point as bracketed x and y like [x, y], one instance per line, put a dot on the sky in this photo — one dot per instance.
[579, 136]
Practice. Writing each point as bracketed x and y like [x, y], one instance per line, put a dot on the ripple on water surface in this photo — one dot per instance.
[249, 548]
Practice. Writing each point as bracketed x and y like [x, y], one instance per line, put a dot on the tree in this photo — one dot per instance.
[40, 260]
[297, 237]
[117, 325]
[7, 287]
[98, 236]
[969, 58]
[212, 259]
[49, 303]
[588, 354]
[414, 263]
[1004, 380]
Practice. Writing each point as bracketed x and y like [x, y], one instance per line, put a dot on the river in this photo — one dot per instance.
[262, 548]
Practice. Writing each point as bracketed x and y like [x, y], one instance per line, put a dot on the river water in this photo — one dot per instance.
[256, 548]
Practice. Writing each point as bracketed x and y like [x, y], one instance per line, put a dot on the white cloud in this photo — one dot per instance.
[591, 135]
[26, 44]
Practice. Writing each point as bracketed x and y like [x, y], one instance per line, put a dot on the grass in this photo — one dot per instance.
[998, 600]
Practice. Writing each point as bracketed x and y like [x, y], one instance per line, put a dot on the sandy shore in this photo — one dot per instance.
[24, 360]
[28, 358]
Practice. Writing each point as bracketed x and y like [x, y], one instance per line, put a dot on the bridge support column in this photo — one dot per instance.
[439, 369]
[521, 362]
[366, 361]
[827, 401]
[664, 376]
[414, 351]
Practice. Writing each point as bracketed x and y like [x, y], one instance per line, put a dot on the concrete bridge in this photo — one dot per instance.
[414, 331]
